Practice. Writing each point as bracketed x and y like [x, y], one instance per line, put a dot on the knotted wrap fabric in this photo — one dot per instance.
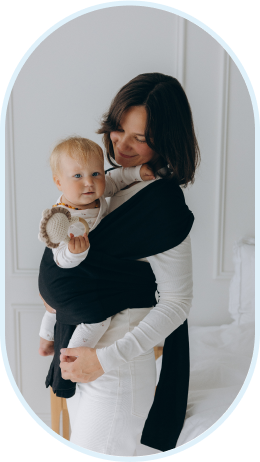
[110, 280]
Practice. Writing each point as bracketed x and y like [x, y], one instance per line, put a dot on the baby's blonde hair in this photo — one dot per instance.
[76, 147]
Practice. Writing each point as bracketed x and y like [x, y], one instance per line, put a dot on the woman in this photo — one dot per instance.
[149, 121]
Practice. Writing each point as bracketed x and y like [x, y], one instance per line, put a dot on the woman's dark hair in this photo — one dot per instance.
[169, 130]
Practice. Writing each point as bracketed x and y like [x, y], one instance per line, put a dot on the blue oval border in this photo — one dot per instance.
[257, 133]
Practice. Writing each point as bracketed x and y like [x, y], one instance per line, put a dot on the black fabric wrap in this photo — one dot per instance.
[110, 280]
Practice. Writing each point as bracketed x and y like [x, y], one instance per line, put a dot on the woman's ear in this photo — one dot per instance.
[57, 182]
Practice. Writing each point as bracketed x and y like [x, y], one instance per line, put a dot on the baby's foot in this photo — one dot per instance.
[46, 347]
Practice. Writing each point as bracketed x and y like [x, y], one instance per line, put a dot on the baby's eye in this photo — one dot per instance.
[95, 174]
[78, 175]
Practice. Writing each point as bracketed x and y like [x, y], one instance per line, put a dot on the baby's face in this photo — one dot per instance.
[81, 183]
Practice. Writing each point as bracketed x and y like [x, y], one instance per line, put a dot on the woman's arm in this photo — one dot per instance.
[173, 272]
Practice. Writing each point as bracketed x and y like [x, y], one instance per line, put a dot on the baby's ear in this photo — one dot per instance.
[57, 181]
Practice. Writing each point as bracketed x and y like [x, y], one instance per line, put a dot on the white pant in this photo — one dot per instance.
[108, 415]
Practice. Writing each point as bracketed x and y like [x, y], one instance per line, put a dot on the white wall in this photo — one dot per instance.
[63, 89]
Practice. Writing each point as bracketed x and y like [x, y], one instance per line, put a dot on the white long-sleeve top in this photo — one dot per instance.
[134, 332]
[115, 181]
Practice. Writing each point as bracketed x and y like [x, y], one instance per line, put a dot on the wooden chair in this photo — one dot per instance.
[158, 351]
[59, 406]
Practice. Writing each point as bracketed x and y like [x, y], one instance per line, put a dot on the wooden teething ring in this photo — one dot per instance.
[85, 224]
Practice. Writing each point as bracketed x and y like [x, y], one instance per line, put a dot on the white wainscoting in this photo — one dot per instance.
[63, 89]
[31, 369]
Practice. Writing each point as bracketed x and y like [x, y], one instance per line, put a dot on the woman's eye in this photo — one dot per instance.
[78, 175]
[140, 141]
[95, 174]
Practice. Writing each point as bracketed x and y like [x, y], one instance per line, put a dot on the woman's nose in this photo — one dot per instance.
[123, 143]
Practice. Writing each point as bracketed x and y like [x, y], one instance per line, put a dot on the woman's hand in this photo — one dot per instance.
[48, 307]
[146, 173]
[80, 364]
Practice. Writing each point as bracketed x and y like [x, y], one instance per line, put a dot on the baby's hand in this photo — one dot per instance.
[78, 244]
[146, 173]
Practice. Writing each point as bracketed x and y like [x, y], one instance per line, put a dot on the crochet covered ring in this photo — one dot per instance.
[54, 226]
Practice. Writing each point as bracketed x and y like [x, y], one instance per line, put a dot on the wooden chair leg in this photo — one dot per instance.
[58, 406]
[158, 351]
[65, 420]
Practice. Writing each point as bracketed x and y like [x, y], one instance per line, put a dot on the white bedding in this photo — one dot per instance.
[220, 359]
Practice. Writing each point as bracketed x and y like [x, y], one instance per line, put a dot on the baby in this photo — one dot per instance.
[78, 171]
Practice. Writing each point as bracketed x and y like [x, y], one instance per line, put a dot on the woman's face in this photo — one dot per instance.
[130, 147]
